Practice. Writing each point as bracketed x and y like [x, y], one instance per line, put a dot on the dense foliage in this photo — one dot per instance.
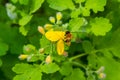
[59, 40]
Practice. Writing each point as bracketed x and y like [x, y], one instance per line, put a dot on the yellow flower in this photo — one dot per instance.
[59, 16]
[54, 35]
[57, 36]
[41, 30]
[60, 47]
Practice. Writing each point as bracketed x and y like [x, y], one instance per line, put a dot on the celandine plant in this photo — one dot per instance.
[76, 43]
[52, 58]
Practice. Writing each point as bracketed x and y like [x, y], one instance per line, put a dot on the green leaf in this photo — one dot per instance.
[36, 4]
[87, 46]
[3, 48]
[27, 72]
[0, 62]
[95, 5]
[37, 75]
[44, 42]
[14, 1]
[11, 36]
[85, 11]
[92, 62]
[23, 31]
[108, 55]
[113, 43]
[77, 74]
[53, 76]
[22, 67]
[61, 5]
[24, 2]
[25, 19]
[79, 1]
[110, 64]
[8, 62]
[66, 68]
[75, 13]
[75, 24]
[50, 68]
[100, 26]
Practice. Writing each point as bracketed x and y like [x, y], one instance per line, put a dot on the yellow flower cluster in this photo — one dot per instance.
[54, 36]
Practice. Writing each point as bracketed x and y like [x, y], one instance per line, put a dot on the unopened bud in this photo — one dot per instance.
[41, 30]
[41, 50]
[48, 59]
[29, 57]
[48, 26]
[59, 16]
[23, 56]
[52, 19]
[102, 75]
[65, 53]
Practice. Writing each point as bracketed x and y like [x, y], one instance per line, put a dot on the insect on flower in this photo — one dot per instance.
[68, 37]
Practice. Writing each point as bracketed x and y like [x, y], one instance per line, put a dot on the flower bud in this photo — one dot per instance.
[102, 75]
[65, 53]
[23, 56]
[41, 30]
[52, 19]
[48, 26]
[29, 57]
[41, 50]
[48, 59]
[59, 16]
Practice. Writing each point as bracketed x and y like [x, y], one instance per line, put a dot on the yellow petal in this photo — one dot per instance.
[61, 34]
[60, 47]
[54, 35]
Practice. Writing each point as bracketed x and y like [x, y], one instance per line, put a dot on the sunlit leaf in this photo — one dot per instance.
[50, 68]
[100, 26]
[25, 19]
[61, 5]
[36, 4]
[75, 24]
[95, 5]
[76, 74]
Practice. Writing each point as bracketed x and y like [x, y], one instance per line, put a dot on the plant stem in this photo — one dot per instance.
[78, 64]
[51, 46]
[77, 56]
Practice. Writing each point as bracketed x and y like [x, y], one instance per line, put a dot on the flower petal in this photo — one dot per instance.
[60, 47]
[54, 35]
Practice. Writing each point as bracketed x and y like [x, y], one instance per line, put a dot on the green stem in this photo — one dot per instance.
[78, 64]
[51, 51]
[77, 56]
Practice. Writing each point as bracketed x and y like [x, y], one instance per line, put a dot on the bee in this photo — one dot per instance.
[68, 37]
